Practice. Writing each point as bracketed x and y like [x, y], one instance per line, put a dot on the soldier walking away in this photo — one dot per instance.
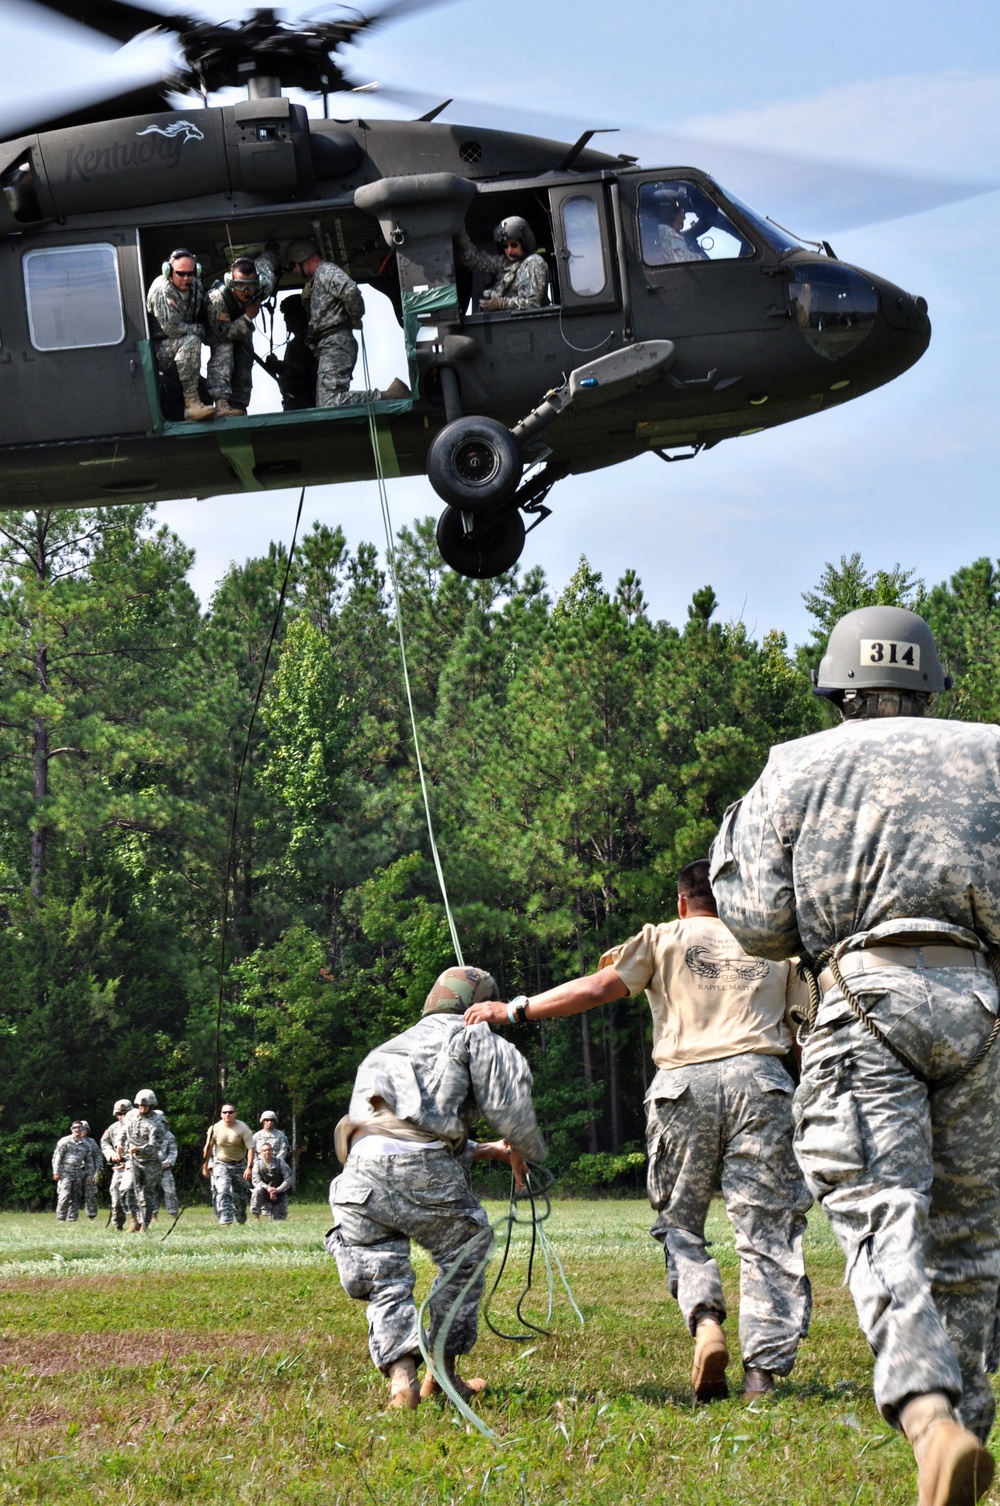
[720, 1096]
[874, 848]
[90, 1187]
[229, 1143]
[73, 1167]
[231, 306]
[272, 1181]
[168, 1160]
[142, 1147]
[113, 1152]
[520, 274]
[336, 307]
[407, 1156]
[269, 1134]
[176, 306]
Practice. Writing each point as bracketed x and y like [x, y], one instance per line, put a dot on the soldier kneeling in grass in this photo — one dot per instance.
[407, 1157]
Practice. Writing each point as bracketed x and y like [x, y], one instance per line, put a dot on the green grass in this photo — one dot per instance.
[227, 1366]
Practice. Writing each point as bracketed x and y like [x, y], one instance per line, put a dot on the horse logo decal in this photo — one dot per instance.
[176, 128]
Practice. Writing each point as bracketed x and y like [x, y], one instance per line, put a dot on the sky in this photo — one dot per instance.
[896, 102]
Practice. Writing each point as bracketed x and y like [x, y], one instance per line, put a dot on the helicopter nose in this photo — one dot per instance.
[907, 329]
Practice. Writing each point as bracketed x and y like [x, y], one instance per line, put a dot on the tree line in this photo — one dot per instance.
[578, 754]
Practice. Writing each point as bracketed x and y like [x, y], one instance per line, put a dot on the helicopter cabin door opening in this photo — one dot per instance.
[72, 319]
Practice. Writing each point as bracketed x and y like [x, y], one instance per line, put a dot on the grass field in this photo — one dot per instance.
[227, 1366]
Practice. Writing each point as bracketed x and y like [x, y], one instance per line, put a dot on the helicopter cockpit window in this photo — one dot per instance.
[586, 269]
[74, 297]
[678, 222]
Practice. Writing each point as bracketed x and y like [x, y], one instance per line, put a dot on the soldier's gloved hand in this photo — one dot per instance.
[273, 364]
[492, 305]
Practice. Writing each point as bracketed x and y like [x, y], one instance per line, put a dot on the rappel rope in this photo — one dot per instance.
[391, 560]
[436, 1359]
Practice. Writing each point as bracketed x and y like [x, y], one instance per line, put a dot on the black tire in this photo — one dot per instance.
[492, 547]
[474, 463]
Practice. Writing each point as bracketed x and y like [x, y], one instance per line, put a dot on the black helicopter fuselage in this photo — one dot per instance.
[763, 332]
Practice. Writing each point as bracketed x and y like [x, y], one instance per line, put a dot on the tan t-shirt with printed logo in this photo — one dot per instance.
[709, 999]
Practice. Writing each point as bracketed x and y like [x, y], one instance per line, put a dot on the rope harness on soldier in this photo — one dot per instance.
[810, 969]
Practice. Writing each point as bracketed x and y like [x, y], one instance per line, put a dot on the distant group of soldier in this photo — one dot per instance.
[246, 1169]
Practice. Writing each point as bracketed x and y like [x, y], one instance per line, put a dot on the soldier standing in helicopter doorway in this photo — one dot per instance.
[176, 306]
[521, 276]
[232, 305]
[336, 308]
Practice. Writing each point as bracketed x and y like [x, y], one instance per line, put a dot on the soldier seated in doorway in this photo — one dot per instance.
[520, 274]
[176, 306]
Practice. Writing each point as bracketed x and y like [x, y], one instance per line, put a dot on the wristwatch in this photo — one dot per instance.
[516, 1008]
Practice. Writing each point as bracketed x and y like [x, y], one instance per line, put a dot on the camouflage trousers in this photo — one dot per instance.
[909, 1177]
[262, 1203]
[230, 1193]
[230, 370]
[336, 358]
[140, 1189]
[379, 1204]
[169, 1191]
[736, 1112]
[71, 1192]
[118, 1208]
[184, 357]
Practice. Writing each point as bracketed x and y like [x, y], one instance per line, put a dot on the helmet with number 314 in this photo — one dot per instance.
[881, 648]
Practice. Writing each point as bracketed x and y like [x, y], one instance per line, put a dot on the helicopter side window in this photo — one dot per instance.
[74, 297]
[678, 222]
[585, 265]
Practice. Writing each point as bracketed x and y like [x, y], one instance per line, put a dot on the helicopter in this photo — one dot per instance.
[675, 317]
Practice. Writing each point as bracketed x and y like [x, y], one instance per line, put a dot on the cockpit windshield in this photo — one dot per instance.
[678, 222]
[770, 232]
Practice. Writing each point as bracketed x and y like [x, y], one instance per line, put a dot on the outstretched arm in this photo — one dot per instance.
[574, 997]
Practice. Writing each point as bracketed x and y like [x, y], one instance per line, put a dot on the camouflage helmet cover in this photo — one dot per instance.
[122, 1105]
[301, 250]
[145, 1096]
[459, 987]
[881, 648]
[268, 1114]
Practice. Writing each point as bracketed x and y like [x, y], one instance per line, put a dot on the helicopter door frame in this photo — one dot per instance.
[81, 384]
[582, 234]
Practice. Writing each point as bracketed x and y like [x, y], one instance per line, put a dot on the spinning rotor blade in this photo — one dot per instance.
[143, 99]
[119, 19]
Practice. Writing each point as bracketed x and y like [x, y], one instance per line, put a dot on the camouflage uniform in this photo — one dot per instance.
[521, 284]
[111, 1142]
[277, 1175]
[881, 838]
[230, 334]
[335, 306]
[168, 1160]
[142, 1143]
[175, 320]
[431, 1083]
[230, 1192]
[90, 1186]
[276, 1138]
[73, 1163]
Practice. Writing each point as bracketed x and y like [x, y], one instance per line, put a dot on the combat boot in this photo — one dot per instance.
[466, 1389]
[403, 1393]
[134, 1226]
[195, 409]
[395, 390]
[758, 1385]
[225, 409]
[953, 1468]
[708, 1369]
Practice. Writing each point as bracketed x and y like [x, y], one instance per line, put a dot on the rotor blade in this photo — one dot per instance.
[814, 197]
[142, 99]
[119, 19]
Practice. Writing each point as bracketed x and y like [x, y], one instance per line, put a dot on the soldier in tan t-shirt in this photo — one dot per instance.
[721, 1095]
[228, 1159]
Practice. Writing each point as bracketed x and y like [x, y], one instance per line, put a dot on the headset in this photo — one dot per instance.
[240, 263]
[168, 265]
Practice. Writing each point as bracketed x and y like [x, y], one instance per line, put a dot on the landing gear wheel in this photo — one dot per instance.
[493, 546]
[474, 463]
